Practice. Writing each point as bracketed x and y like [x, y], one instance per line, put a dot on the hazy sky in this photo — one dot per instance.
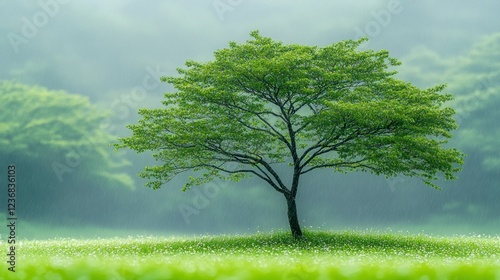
[115, 51]
[106, 49]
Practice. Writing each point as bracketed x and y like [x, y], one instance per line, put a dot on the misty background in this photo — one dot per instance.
[114, 52]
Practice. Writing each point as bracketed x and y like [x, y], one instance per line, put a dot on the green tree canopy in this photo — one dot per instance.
[262, 104]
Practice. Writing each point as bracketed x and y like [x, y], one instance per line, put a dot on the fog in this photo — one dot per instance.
[115, 52]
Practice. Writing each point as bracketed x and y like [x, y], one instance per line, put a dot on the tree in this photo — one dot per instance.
[474, 79]
[263, 104]
[61, 153]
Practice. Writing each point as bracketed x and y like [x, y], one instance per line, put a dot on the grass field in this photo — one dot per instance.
[321, 255]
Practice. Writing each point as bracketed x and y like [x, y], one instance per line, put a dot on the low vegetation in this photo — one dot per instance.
[319, 255]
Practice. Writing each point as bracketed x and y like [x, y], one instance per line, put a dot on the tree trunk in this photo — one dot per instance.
[292, 217]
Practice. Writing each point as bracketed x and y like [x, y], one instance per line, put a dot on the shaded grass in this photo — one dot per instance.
[334, 255]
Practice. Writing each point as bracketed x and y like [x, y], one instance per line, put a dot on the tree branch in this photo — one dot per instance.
[263, 176]
[250, 160]
[352, 164]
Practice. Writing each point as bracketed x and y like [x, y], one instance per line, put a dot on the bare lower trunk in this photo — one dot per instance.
[292, 217]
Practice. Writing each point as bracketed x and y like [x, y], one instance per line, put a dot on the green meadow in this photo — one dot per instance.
[320, 255]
